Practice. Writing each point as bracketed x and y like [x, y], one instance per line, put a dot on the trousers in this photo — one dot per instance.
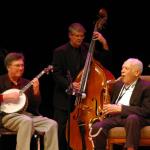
[25, 125]
[132, 124]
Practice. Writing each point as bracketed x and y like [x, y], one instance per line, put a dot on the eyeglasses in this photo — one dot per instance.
[18, 65]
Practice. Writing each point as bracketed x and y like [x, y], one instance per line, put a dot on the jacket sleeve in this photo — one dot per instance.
[59, 73]
[141, 109]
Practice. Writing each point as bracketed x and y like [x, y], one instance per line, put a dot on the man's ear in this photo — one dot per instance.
[137, 73]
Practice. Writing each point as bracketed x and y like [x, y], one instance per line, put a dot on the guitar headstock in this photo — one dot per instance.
[50, 68]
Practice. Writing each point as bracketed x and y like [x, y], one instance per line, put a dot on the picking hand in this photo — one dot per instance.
[11, 97]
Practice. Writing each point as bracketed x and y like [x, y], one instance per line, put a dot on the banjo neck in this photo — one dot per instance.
[30, 83]
[46, 70]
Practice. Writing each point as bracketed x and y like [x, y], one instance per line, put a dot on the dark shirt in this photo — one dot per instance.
[1, 98]
[33, 101]
[66, 58]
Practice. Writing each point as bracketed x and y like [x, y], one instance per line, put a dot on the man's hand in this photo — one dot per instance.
[11, 97]
[111, 109]
[35, 83]
[98, 36]
[76, 86]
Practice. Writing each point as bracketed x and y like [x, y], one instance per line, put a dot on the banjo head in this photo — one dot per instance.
[14, 107]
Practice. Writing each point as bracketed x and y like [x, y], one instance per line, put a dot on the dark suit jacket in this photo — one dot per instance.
[139, 101]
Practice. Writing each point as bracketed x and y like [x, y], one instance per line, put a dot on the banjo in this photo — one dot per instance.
[22, 103]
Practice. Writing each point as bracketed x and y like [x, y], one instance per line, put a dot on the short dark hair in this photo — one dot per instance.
[11, 57]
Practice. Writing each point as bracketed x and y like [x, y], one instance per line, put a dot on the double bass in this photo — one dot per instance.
[93, 83]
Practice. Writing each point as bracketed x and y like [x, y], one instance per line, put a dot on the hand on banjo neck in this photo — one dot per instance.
[14, 100]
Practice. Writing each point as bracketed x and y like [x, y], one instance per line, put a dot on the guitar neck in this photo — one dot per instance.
[31, 82]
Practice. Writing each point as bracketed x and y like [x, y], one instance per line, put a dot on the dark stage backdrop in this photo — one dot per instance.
[37, 28]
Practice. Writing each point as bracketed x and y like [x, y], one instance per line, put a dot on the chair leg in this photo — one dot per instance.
[0, 140]
[109, 146]
[38, 142]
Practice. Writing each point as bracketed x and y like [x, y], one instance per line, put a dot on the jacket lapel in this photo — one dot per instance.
[135, 92]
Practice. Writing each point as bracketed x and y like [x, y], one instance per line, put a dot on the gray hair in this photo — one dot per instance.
[136, 63]
[76, 27]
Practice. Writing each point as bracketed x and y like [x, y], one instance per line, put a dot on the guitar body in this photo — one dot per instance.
[14, 107]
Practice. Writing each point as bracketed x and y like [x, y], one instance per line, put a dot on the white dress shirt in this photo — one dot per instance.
[125, 94]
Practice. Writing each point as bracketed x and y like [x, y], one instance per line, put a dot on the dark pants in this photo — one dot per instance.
[132, 124]
[61, 117]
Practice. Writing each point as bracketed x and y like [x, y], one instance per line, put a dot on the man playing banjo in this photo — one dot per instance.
[26, 120]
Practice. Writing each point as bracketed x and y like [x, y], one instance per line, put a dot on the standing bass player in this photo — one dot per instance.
[69, 57]
[28, 120]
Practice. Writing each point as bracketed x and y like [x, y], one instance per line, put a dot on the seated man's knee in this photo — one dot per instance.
[134, 119]
[27, 121]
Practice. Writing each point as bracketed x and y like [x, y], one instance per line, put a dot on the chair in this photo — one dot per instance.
[37, 135]
[117, 135]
